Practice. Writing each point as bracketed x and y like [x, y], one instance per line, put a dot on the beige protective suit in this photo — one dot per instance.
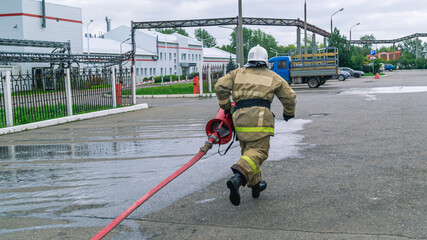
[254, 125]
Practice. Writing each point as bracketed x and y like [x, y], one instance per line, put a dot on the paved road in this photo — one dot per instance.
[360, 171]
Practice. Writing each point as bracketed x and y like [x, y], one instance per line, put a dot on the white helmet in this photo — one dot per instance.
[258, 54]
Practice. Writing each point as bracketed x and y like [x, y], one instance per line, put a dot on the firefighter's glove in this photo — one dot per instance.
[286, 117]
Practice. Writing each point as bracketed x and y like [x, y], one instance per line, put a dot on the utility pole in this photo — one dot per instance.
[333, 15]
[357, 24]
[239, 46]
[417, 51]
[305, 27]
[87, 35]
[299, 41]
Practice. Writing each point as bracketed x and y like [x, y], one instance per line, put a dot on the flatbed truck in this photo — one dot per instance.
[312, 68]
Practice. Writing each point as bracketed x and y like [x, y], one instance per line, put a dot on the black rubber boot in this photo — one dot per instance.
[257, 189]
[233, 184]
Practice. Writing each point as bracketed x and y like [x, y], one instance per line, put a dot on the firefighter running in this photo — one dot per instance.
[253, 88]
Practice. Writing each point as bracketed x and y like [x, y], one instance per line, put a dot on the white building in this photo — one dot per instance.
[217, 56]
[158, 54]
[24, 19]
[165, 54]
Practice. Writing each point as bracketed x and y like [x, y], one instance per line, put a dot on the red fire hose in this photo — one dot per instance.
[144, 198]
[213, 137]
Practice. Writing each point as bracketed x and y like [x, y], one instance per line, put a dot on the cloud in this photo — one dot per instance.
[385, 19]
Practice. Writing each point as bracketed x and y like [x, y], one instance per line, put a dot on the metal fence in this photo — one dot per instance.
[211, 74]
[37, 97]
[41, 95]
[2, 104]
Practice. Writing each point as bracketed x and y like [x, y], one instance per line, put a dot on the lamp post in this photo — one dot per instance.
[353, 27]
[333, 15]
[121, 45]
[87, 35]
[235, 34]
[239, 39]
[121, 63]
[274, 50]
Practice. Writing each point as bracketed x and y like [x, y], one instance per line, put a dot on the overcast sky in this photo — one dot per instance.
[386, 19]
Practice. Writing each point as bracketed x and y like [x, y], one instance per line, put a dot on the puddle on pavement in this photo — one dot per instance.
[90, 183]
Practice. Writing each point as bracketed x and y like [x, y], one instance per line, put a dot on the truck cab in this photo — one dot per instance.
[281, 65]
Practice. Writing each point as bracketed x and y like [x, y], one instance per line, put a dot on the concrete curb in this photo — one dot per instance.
[177, 95]
[167, 96]
[62, 120]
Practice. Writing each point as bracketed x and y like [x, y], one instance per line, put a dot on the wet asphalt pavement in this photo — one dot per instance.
[360, 172]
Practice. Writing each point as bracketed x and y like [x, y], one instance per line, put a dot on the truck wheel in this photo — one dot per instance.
[313, 83]
[356, 75]
[341, 77]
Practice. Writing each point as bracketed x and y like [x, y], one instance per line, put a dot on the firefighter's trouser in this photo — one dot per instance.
[254, 153]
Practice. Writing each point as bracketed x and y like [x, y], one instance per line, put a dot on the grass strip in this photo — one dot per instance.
[24, 115]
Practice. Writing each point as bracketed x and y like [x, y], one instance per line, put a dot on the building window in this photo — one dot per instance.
[192, 57]
[170, 56]
[151, 72]
[154, 71]
[145, 72]
[183, 56]
[170, 71]
[137, 72]
[161, 56]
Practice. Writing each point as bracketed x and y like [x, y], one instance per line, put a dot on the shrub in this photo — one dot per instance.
[166, 78]
[192, 75]
[157, 79]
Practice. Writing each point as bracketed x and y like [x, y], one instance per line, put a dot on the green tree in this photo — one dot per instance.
[228, 48]
[343, 46]
[251, 38]
[173, 30]
[230, 66]
[203, 36]
[367, 47]
[410, 46]
[421, 63]
[408, 58]
[386, 49]
[357, 61]
[286, 50]
[377, 64]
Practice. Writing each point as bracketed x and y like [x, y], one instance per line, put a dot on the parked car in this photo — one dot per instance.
[353, 73]
[342, 76]
[389, 67]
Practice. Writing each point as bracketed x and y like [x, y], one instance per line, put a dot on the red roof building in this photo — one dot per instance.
[386, 56]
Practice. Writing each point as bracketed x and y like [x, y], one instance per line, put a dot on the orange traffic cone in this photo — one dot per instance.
[377, 76]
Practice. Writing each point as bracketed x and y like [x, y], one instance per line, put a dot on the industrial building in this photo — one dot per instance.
[157, 54]
[37, 20]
